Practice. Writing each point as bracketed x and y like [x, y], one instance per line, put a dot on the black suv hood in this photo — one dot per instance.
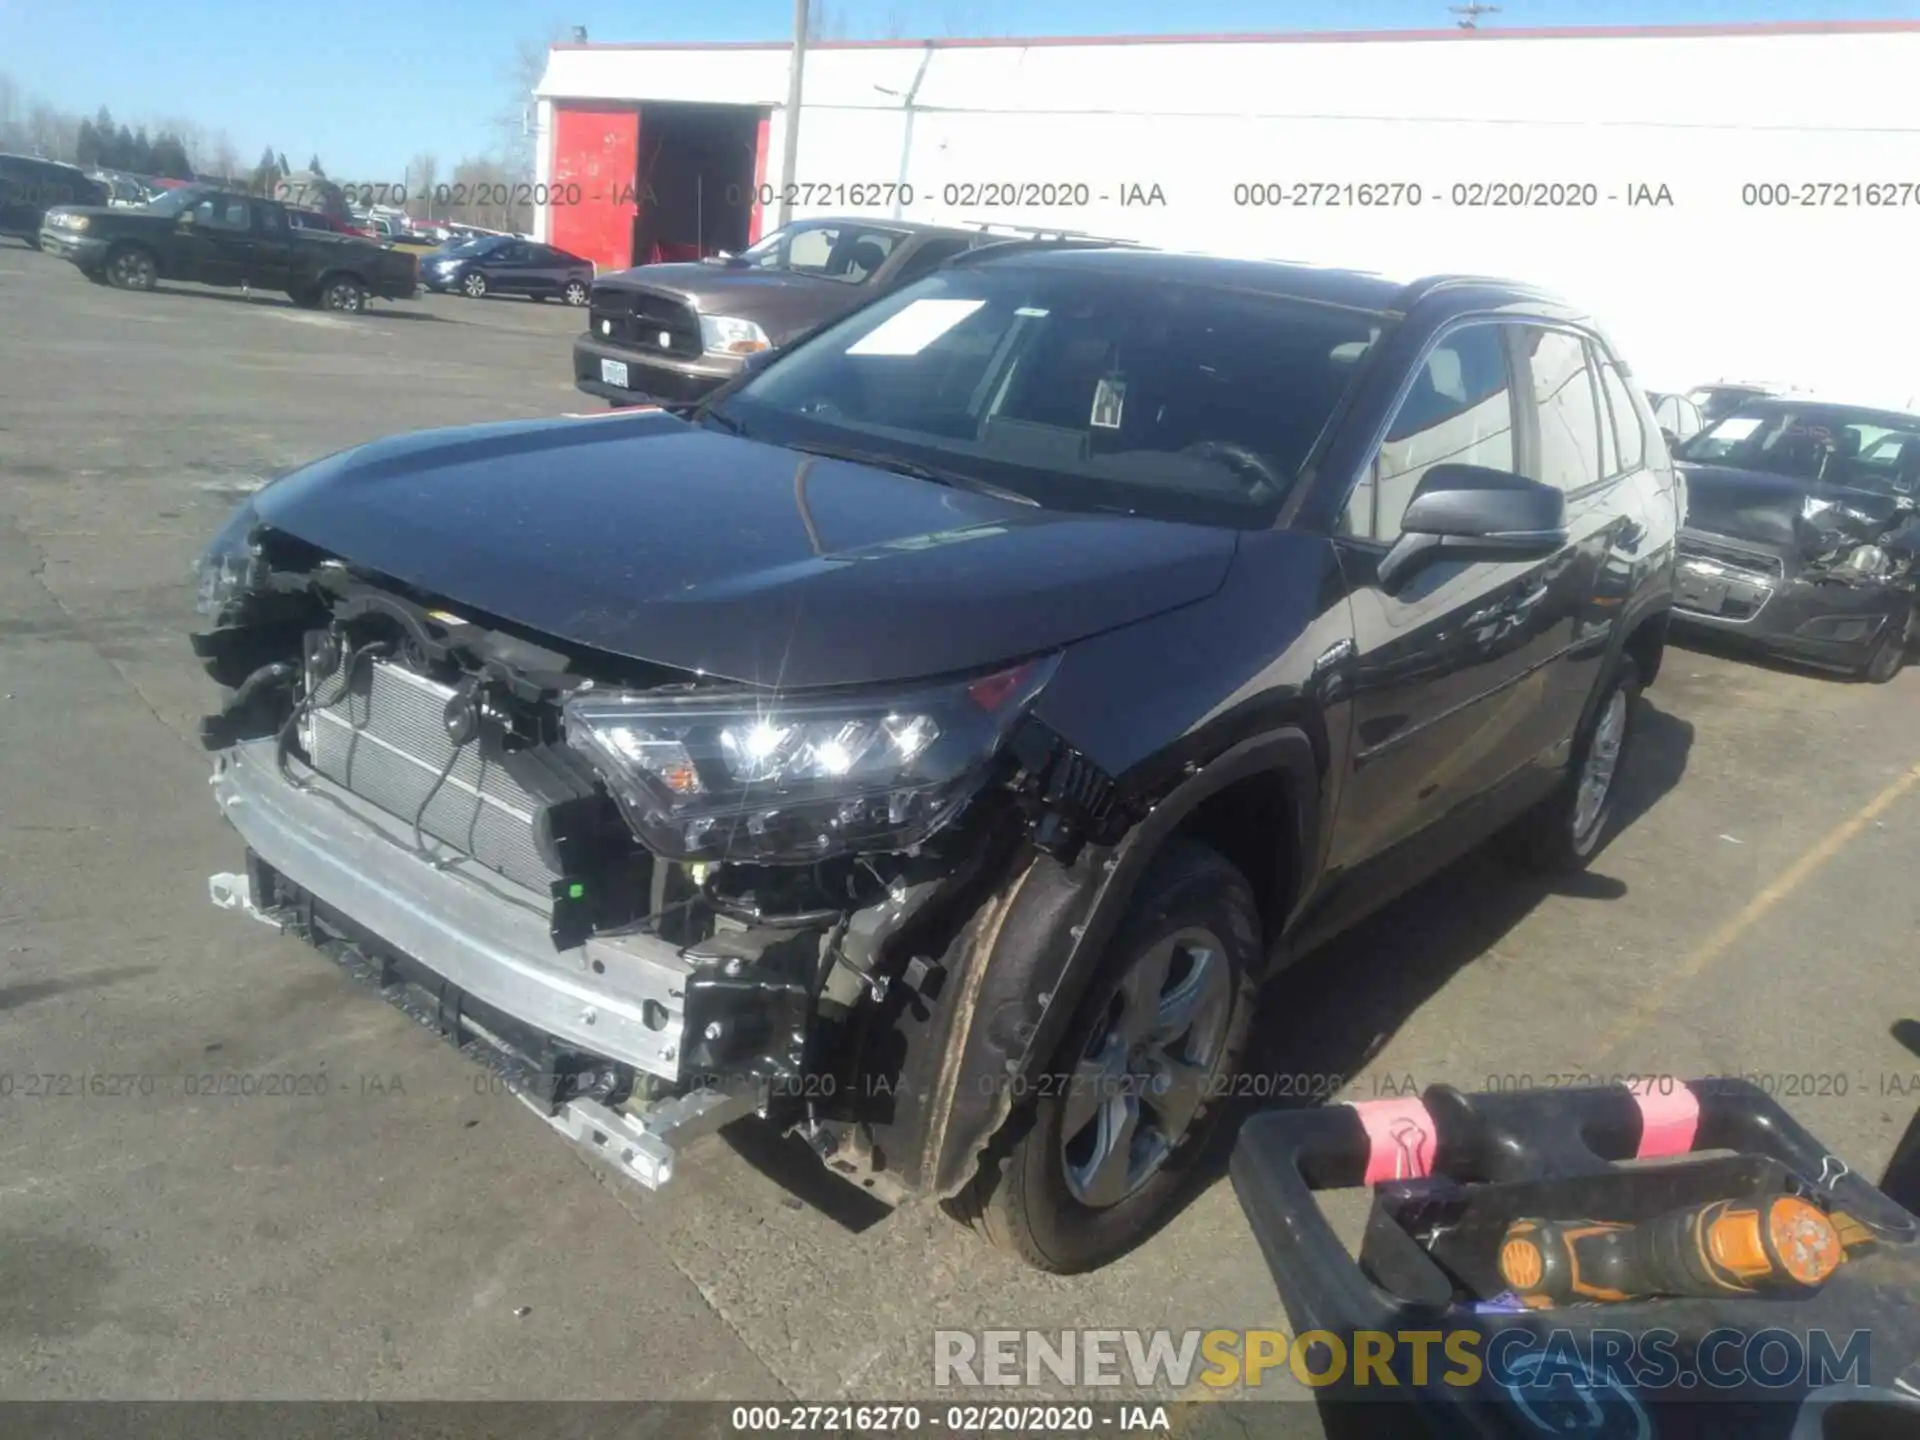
[645, 536]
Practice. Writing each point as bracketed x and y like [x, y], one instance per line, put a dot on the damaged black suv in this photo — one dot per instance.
[929, 742]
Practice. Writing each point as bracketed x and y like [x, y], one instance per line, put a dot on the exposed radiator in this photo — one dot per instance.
[383, 736]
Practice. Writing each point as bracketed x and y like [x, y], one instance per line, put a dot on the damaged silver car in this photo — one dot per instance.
[1803, 533]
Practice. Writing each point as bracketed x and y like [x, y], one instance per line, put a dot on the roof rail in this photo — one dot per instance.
[1042, 232]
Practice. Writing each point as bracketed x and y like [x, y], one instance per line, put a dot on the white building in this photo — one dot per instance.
[1731, 201]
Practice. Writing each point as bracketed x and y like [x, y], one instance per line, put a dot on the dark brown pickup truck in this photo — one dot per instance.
[679, 332]
[216, 237]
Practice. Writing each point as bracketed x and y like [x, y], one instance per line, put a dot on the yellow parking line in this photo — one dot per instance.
[1706, 953]
[1657, 997]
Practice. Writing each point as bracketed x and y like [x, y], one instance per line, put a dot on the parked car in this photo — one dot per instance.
[932, 741]
[30, 187]
[216, 237]
[1679, 418]
[504, 265]
[1724, 397]
[1801, 534]
[680, 331]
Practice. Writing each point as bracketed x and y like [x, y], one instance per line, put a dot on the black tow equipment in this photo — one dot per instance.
[1568, 1231]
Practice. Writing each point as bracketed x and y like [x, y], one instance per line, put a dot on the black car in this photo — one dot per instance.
[30, 187]
[1801, 534]
[931, 742]
[677, 332]
[1726, 397]
[502, 265]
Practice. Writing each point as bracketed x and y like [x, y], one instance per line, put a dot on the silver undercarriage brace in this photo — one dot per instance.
[476, 930]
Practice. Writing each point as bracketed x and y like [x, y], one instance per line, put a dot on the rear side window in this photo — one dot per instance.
[1459, 410]
[1566, 405]
[1629, 439]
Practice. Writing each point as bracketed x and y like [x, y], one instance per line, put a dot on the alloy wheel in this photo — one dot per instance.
[576, 293]
[133, 269]
[1144, 1072]
[475, 285]
[1603, 758]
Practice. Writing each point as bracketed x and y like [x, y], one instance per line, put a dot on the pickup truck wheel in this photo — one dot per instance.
[1564, 831]
[576, 293]
[131, 267]
[473, 285]
[1098, 1160]
[343, 293]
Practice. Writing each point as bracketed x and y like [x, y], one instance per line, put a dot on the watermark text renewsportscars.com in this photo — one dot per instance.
[1169, 1360]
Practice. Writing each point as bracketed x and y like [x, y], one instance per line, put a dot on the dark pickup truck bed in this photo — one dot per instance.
[216, 237]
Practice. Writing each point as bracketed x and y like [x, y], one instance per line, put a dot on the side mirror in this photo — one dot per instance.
[757, 361]
[1672, 438]
[1471, 512]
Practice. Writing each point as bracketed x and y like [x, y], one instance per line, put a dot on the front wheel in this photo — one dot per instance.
[575, 293]
[1096, 1161]
[132, 268]
[1890, 655]
[473, 285]
[1564, 831]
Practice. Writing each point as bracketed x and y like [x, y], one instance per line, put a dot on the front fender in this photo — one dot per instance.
[1031, 952]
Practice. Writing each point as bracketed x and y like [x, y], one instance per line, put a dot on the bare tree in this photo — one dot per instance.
[422, 171]
[514, 124]
[824, 22]
[224, 156]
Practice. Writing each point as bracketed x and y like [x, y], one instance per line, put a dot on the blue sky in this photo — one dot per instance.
[369, 83]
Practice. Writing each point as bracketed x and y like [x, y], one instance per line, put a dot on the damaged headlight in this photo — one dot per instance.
[230, 565]
[798, 779]
[1870, 562]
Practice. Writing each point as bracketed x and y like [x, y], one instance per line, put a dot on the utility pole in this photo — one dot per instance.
[1471, 12]
[790, 144]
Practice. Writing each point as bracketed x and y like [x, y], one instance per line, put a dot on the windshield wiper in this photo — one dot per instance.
[712, 417]
[954, 479]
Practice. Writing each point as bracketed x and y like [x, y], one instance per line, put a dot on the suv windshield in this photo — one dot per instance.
[1863, 449]
[830, 249]
[1079, 389]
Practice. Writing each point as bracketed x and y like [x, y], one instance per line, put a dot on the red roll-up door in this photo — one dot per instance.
[596, 155]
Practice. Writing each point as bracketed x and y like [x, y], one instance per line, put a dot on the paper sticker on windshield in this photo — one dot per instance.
[1109, 399]
[914, 328]
[1030, 313]
[1737, 427]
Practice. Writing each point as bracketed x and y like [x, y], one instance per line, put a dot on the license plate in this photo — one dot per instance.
[1697, 592]
[614, 372]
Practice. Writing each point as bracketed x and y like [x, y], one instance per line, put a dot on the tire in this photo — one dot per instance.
[32, 242]
[473, 285]
[1889, 656]
[576, 293]
[1042, 1192]
[132, 267]
[1566, 830]
[344, 294]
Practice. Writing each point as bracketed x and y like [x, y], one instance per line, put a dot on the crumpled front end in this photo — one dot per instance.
[1821, 576]
[651, 902]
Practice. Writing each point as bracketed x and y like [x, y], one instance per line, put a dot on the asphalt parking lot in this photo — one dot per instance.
[406, 1235]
